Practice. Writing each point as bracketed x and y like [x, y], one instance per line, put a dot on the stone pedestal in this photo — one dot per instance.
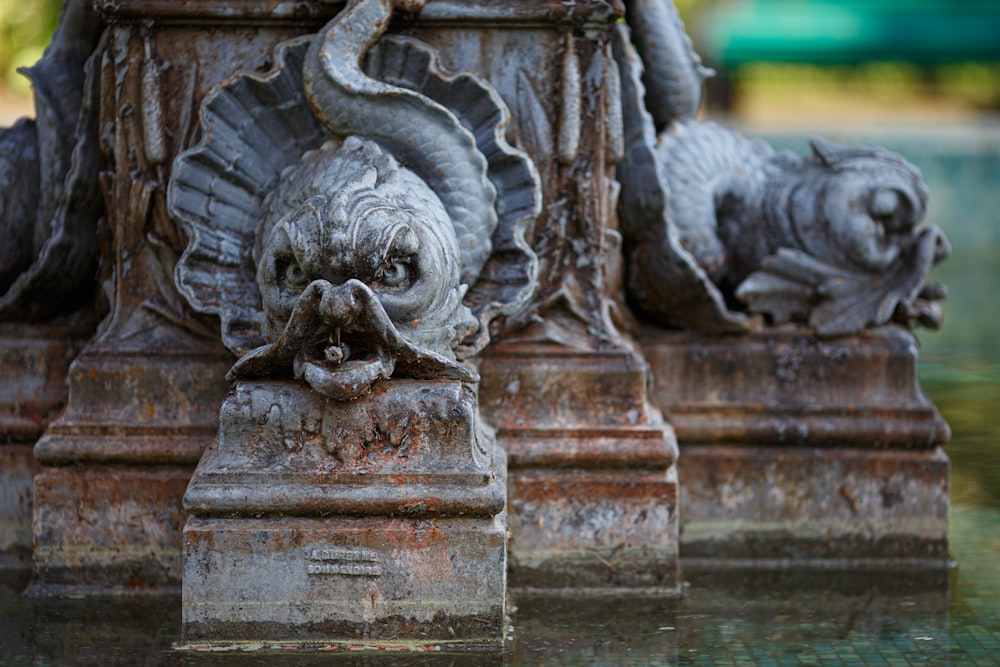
[144, 394]
[837, 507]
[805, 451]
[34, 359]
[374, 521]
[108, 512]
[592, 484]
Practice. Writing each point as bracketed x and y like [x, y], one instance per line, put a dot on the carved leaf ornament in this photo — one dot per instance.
[344, 222]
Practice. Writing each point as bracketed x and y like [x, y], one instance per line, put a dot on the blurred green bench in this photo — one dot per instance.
[828, 32]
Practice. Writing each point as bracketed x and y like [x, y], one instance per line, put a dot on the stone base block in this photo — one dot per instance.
[785, 386]
[108, 527]
[347, 522]
[592, 491]
[34, 359]
[590, 529]
[810, 506]
[17, 467]
[108, 505]
[344, 580]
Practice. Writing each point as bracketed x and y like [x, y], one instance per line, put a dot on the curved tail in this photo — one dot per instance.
[673, 74]
[422, 134]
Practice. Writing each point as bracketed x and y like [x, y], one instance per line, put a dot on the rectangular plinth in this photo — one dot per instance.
[107, 527]
[592, 487]
[17, 467]
[588, 529]
[345, 522]
[809, 505]
[407, 448]
[344, 579]
[786, 386]
[34, 359]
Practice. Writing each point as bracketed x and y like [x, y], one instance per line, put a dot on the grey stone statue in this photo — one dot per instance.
[49, 195]
[326, 258]
[720, 229]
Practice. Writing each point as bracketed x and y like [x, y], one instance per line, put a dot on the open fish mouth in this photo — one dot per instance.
[340, 341]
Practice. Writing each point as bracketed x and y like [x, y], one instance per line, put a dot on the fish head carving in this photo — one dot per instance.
[376, 223]
[858, 206]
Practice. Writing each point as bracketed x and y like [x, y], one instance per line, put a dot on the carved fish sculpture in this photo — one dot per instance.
[324, 256]
[717, 225]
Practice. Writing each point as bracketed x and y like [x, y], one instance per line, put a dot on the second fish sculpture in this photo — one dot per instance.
[342, 215]
[721, 230]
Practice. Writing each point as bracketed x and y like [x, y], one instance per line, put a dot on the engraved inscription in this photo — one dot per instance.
[349, 562]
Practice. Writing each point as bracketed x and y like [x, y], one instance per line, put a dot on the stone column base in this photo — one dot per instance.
[375, 520]
[17, 467]
[34, 359]
[108, 527]
[794, 506]
[787, 387]
[593, 529]
[344, 580]
[805, 451]
[592, 486]
[108, 511]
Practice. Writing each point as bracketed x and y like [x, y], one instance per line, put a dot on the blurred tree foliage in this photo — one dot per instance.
[26, 27]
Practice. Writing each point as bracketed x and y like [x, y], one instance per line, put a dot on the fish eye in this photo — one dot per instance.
[892, 209]
[395, 273]
[292, 273]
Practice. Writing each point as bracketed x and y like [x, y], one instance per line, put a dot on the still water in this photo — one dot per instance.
[791, 618]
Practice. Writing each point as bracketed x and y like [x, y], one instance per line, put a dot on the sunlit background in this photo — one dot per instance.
[25, 28]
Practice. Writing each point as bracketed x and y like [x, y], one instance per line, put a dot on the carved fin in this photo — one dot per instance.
[664, 279]
[794, 285]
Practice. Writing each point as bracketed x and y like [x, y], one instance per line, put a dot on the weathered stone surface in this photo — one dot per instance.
[410, 448]
[108, 511]
[785, 386]
[17, 467]
[804, 506]
[318, 519]
[793, 447]
[344, 578]
[592, 487]
[108, 527]
[576, 529]
[34, 359]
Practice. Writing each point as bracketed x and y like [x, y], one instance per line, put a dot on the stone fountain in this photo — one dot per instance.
[429, 292]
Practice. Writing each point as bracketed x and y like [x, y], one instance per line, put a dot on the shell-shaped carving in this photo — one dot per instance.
[506, 279]
[256, 126]
[253, 128]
